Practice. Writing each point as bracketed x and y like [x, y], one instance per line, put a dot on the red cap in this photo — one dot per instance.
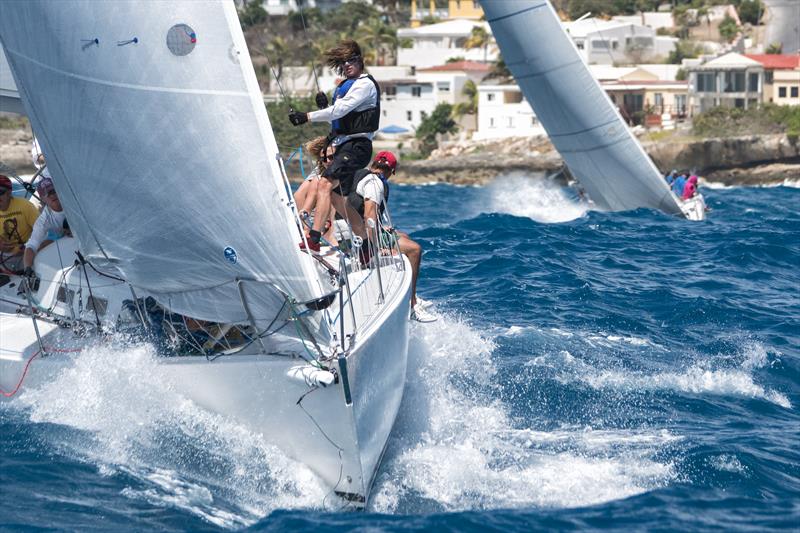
[386, 158]
[5, 182]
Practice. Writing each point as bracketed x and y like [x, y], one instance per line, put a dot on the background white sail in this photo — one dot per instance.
[160, 148]
[577, 114]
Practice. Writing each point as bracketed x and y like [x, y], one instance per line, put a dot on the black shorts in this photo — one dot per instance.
[348, 158]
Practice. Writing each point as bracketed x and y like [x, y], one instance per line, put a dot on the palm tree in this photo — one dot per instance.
[470, 106]
[479, 38]
[378, 38]
[277, 49]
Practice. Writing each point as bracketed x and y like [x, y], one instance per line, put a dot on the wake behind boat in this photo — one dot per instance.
[186, 235]
[579, 117]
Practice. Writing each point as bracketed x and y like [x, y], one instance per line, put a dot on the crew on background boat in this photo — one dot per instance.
[690, 189]
[678, 185]
[670, 177]
[50, 226]
[369, 197]
[17, 217]
[354, 115]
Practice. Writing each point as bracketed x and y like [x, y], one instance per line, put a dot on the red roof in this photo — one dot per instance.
[468, 66]
[776, 61]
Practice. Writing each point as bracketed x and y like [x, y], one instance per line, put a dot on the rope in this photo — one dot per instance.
[305, 33]
[8, 394]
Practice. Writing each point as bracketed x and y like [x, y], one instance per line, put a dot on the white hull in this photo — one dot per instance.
[339, 431]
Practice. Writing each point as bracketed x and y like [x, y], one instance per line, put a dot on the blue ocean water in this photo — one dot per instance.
[588, 370]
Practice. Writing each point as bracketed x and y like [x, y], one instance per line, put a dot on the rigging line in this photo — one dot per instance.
[278, 81]
[89, 286]
[305, 32]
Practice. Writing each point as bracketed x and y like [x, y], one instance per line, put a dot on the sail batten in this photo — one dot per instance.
[161, 149]
[579, 117]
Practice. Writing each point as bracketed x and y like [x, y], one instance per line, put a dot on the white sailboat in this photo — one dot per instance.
[582, 122]
[164, 159]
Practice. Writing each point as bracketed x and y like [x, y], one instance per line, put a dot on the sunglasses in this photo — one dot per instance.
[326, 158]
[353, 60]
[3, 190]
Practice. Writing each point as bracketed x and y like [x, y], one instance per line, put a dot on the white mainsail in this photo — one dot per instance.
[191, 211]
[577, 114]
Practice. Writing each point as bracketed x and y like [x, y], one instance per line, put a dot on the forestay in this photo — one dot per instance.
[161, 149]
[577, 114]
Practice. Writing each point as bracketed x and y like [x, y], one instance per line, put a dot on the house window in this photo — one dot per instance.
[534, 121]
[768, 77]
[706, 82]
[384, 113]
[781, 92]
[423, 115]
[733, 82]
[416, 91]
[390, 90]
[614, 45]
[579, 44]
[490, 97]
[680, 104]
[443, 86]
[512, 97]
[795, 91]
[600, 44]
[509, 122]
[752, 84]
[409, 116]
[491, 122]
[658, 98]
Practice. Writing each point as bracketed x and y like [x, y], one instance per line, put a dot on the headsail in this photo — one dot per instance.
[577, 114]
[161, 149]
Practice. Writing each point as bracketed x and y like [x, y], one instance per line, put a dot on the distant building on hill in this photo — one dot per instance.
[504, 112]
[731, 80]
[781, 77]
[456, 9]
[434, 44]
[613, 42]
[284, 7]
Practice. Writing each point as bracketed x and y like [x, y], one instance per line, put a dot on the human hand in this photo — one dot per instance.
[297, 118]
[322, 100]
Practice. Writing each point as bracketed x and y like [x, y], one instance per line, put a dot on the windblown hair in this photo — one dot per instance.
[315, 147]
[336, 56]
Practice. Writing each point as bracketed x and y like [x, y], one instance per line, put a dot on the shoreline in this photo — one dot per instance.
[755, 160]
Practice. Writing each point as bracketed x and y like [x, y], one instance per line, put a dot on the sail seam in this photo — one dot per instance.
[586, 130]
[593, 148]
[150, 88]
[542, 72]
[521, 11]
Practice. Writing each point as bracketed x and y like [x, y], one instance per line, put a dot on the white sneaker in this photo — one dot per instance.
[419, 314]
[422, 304]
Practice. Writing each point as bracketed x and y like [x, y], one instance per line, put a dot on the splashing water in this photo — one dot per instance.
[539, 199]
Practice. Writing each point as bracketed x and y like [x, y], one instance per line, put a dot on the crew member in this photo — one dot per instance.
[17, 217]
[354, 116]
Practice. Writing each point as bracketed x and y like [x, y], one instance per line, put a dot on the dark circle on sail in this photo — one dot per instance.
[181, 39]
[230, 255]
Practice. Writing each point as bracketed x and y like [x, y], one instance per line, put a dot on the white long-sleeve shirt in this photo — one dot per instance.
[48, 221]
[362, 95]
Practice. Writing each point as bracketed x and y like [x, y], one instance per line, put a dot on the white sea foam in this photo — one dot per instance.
[457, 448]
[704, 376]
[534, 197]
[728, 463]
[181, 456]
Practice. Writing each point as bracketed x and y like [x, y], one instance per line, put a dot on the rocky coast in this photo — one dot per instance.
[746, 160]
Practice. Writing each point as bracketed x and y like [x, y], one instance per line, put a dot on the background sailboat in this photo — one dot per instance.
[577, 114]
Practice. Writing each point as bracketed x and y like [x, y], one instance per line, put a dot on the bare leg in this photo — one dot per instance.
[309, 196]
[351, 215]
[323, 204]
[413, 251]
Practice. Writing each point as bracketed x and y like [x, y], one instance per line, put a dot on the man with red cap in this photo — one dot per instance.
[369, 197]
[17, 217]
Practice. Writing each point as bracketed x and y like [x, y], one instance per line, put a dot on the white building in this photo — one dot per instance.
[449, 79]
[651, 19]
[610, 41]
[284, 7]
[731, 80]
[434, 44]
[504, 112]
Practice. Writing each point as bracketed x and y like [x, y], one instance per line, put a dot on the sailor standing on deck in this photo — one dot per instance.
[354, 116]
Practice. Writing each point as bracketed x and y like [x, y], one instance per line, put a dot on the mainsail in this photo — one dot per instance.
[161, 149]
[577, 114]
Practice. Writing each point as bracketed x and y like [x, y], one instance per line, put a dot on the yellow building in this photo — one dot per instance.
[456, 9]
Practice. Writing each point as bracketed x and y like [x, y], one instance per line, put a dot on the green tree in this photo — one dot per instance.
[499, 71]
[252, 14]
[479, 38]
[751, 11]
[276, 53]
[440, 121]
[377, 40]
[470, 105]
[290, 137]
[728, 28]
[683, 49]
[775, 48]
